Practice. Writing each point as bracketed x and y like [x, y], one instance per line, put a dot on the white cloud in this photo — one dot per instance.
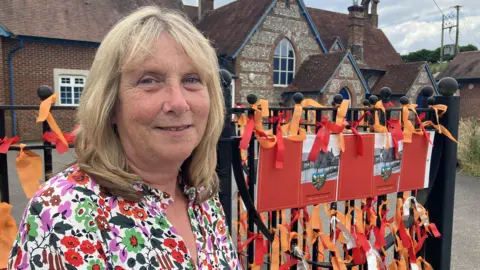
[411, 25]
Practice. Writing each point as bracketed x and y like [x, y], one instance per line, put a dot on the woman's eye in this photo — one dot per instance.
[192, 80]
[146, 81]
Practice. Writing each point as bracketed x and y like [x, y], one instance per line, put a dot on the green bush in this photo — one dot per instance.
[469, 147]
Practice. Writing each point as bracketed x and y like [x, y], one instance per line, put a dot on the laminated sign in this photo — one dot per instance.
[320, 177]
[387, 164]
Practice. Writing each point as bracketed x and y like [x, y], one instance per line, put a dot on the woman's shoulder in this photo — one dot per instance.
[67, 197]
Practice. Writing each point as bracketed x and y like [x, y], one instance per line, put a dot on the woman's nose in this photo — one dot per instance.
[175, 101]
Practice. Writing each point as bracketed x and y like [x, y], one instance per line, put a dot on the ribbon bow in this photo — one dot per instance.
[397, 135]
[323, 138]
[6, 142]
[44, 114]
[52, 137]
[358, 137]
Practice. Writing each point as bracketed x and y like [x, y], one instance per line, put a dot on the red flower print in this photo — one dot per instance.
[101, 202]
[78, 177]
[48, 192]
[125, 208]
[139, 213]
[55, 200]
[100, 251]
[102, 223]
[221, 227]
[170, 243]
[70, 242]
[177, 256]
[74, 258]
[182, 247]
[46, 203]
[87, 247]
[119, 268]
[19, 257]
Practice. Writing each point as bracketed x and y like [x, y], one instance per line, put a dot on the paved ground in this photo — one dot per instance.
[466, 239]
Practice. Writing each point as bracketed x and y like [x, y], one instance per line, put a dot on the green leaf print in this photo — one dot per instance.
[156, 233]
[131, 262]
[115, 258]
[32, 227]
[133, 240]
[154, 262]
[141, 258]
[61, 228]
[178, 265]
[86, 192]
[122, 221]
[96, 264]
[162, 222]
[70, 267]
[36, 208]
[156, 244]
[53, 240]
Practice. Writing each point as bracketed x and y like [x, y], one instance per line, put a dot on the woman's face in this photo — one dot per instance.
[163, 106]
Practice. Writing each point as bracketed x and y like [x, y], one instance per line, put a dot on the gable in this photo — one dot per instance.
[247, 16]
[378, 51]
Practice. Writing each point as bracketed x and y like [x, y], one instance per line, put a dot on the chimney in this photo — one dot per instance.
[204, 6]
[374, 15]
[356, 22]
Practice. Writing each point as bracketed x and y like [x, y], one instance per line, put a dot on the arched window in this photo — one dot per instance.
[346, 95]
[283, 63]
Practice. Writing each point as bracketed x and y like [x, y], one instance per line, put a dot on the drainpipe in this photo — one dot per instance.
[12, 86]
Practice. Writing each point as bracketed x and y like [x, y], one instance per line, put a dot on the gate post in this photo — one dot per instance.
[224, 152]
[440, 202]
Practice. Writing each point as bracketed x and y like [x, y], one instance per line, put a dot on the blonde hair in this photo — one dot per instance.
[97, 147]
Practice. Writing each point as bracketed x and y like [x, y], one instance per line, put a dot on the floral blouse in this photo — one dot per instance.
[71, 223]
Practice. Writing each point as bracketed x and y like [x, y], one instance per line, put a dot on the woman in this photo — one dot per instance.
[143, 192]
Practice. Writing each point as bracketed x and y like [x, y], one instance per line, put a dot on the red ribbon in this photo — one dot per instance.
[291, 262]
[6, 142]
[419, 120]
[395, 129]
[323, 137]
[358, 137]
[388, 104]
[52, 137]
[280, 146]
[247, 133]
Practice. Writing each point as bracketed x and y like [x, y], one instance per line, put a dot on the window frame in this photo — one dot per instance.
[289, 47]
[72, 74]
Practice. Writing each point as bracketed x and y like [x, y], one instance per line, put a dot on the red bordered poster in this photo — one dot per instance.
[356, 171]
[416, 158]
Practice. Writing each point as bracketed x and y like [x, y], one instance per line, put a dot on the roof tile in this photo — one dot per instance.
[466, 65]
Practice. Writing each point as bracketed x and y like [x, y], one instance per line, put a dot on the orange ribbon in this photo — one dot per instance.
[312, 114]
[377, 127]
[29, 170]
[6, 142]
[441, 129]
[8, 231]
[44, 114]
[408, 128]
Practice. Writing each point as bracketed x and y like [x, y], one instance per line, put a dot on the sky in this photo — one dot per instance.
[411, 25]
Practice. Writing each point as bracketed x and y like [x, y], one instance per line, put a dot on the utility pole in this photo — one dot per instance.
[443, 37]
[457, 49]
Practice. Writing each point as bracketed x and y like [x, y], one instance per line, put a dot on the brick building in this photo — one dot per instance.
[273, 48]
[465, 68]
[278, 47]
[54, 45]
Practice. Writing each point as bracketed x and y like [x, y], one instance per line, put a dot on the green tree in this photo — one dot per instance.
[433, 56]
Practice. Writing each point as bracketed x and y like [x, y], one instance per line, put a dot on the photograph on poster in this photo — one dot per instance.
[326, 166]
[385, 162]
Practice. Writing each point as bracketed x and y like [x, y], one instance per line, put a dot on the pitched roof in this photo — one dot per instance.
[466, 65]
[399, 78]
[228, 26]
[315, 72]
[378, 51]
[81, 20]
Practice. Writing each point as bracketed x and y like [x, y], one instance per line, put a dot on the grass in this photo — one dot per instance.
[469, 147]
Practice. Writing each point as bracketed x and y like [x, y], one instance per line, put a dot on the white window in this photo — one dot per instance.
[283, 64]
[69, 85]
